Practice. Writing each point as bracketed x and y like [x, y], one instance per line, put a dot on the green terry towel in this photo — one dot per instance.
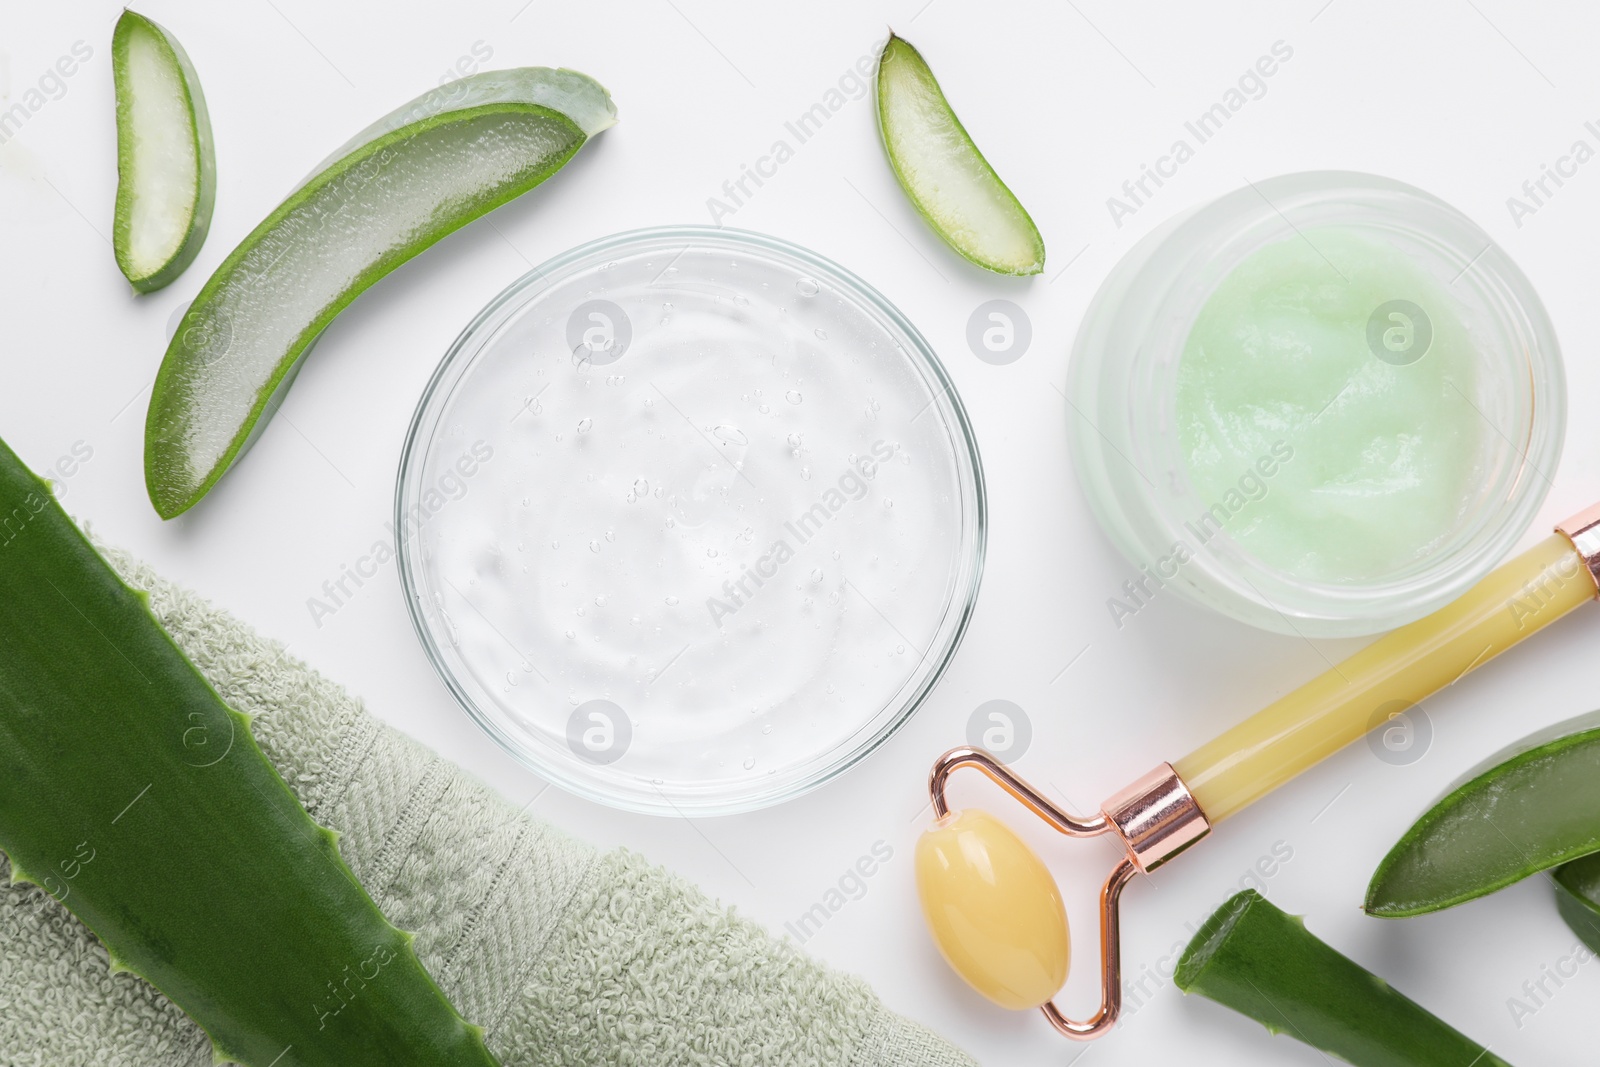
[564, 954]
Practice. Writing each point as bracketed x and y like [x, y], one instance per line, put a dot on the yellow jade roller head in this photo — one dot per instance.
[991, 904]
[994, 909]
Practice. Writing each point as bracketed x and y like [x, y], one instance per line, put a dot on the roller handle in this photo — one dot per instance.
[1397, 671]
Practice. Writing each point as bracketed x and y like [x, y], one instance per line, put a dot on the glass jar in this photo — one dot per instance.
[1125, 426]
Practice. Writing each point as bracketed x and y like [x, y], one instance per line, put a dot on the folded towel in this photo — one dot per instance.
[564, 954]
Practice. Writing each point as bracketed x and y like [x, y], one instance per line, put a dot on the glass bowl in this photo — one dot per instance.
[690, 520]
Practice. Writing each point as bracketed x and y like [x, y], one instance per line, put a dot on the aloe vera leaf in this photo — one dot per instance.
[944, 174]
[166, 166]
[1253, 957]
[131, 793]
[421, 172]
[1578, 898]
[1530, 807]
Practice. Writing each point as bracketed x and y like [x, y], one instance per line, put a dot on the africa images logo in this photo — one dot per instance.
[849, 487]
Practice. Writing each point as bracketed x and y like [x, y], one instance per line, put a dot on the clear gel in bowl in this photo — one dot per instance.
[690, 520]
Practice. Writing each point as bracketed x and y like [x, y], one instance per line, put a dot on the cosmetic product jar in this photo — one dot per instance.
[1441, 428]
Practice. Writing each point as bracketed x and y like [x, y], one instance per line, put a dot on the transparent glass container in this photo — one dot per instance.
[690, 520]
[1123, 390]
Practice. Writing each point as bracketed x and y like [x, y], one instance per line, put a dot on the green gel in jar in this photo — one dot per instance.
[1323, 403]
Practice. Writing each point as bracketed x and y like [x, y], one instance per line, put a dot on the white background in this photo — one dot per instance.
[1466, 99]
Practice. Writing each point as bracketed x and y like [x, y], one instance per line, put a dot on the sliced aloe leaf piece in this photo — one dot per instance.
[166, 168]
[943, 172]
[132, 794]
[1253, 957]
[1528, 808]
[1578, 898]
[419, 173]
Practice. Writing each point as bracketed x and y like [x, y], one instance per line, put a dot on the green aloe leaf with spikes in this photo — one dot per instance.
[132, 794]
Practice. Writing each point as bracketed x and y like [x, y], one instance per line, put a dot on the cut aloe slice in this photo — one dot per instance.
[166, 169]
[419, 173]
[1263, 963]
[943, 172]
[1578, 898]
[1528, 808]
[133, 795]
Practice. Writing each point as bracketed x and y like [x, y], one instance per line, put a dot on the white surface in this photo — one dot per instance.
[1464, 99]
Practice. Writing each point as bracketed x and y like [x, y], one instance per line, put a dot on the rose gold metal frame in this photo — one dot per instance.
[1156, 818]
[1583, 530]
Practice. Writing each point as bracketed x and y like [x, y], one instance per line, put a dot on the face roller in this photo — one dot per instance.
[996, 913]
